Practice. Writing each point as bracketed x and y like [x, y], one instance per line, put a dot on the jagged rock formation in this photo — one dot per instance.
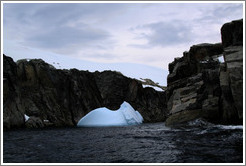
[62, 97]
[199, 86]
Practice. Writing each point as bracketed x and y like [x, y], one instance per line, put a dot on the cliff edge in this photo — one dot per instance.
[207, 82]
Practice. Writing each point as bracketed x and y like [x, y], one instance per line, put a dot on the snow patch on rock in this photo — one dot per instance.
[26, 117]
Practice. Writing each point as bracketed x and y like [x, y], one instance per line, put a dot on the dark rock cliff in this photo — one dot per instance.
[199, 86]
[12, 103]
[232, 71]
[54, 97]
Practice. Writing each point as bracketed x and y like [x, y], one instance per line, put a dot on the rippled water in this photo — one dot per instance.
[197, 142]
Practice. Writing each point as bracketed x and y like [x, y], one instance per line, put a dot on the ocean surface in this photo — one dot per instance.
[196, 142]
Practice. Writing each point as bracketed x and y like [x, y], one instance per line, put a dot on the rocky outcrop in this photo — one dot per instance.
[193, 61]
[232, 33]
[63, 97]
[13, 111]
[34, 122]
[194, 94]
[199, 86]
[232, 71]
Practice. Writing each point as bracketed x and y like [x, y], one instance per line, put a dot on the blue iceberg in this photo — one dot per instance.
[100, 117]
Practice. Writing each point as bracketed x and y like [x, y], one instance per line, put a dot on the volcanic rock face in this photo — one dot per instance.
[199, 86]
[62, 97]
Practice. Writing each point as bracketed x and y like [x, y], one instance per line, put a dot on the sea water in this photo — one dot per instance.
[195, 142]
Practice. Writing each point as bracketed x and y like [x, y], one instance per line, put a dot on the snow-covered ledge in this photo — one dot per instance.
[102, 117]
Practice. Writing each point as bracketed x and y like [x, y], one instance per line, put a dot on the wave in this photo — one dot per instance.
[206, 124]
[230, 127]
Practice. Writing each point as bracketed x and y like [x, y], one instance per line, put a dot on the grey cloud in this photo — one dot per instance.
[59, 13]
[166, 33]
[46, 25]
[65, 36]
[227, 10]
[221, 14]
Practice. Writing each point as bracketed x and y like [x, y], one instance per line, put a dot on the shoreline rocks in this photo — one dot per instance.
[199, 86]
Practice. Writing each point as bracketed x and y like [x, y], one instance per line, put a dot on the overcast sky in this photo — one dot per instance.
[146, 33]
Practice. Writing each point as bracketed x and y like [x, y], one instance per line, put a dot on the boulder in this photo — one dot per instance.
[183, 117]
[34, 122]
[232, 33]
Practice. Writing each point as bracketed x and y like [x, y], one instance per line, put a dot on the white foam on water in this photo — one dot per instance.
[230, 127]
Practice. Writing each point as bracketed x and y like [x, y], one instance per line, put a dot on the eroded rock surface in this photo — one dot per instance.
[199, 86]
